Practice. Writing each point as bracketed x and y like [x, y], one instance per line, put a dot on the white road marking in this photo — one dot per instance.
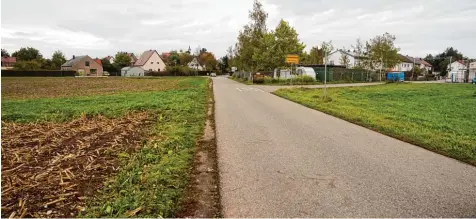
[250, 89]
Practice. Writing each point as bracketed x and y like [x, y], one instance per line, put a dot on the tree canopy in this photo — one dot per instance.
[57, 59]
[260, 49]
[121, 60]
[5, 53]
[27, 54]
[441, 61]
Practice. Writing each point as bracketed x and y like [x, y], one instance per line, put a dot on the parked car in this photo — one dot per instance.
[474, 80]
[213, 74]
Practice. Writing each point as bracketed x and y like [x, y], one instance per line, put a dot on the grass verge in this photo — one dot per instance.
[148, 181]
[438, 117]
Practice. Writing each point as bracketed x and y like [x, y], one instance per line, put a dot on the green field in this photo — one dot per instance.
[150, 176]
[438, 117]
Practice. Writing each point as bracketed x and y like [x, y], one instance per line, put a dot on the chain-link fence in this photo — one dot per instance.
[243, 75]
[347, 75]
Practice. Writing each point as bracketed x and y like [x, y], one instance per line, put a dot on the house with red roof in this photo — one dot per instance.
[150, 61]
[110, 59]
[98, 61]
[8, 62]
[133, 58]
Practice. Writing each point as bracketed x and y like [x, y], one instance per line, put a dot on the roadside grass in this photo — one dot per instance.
[438, 117]
[150, 181]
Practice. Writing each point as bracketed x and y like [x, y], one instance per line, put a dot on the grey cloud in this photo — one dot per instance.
[101, 28]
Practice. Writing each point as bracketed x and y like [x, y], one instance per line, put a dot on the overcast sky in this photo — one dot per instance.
[101, 28]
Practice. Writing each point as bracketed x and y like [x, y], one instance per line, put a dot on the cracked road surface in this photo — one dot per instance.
[280, 159]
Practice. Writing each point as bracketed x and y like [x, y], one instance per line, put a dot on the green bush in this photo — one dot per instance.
[179, 70]
[269, 80]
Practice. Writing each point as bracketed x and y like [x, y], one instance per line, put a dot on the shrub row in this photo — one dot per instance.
[38, 73]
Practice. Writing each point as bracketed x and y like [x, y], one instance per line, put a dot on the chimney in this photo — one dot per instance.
[74, 56]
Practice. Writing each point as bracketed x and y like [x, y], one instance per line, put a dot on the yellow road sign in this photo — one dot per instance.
[292, 59]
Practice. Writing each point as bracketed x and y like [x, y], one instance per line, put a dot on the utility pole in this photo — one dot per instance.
[449, 71]
[325, 74]
[413, 69]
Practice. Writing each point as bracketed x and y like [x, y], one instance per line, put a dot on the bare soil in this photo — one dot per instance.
[52, 87]
[50, 170]
[202, 196]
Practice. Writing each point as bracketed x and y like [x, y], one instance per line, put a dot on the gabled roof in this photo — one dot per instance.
[109, 58]
[98, 61]
[9, 59]
[145, 57]
[461, 61]
[133, 57]
[425, 63]
[71, 62]
[406, 59]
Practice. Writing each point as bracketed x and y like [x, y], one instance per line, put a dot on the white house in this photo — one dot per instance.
[423, 64]
[457, 71]
[472, 70]
[110, 58]
[457, 66]
[150, 61]
[194, 64]
[132, 71]
[406, 63]
[334, 58]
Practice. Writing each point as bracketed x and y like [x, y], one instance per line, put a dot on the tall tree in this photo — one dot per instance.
[229, 54]
[360, 52]
[224, 63]
[250, 39]
[27, 54]
[264, 56]
[382, 52]
[344, 59]
[208, 60]
[286, 42]
[5, 53]
[185, 58]
[122, 60]
[57, 59]
[441, 61]
[107, 66]
[315, 56]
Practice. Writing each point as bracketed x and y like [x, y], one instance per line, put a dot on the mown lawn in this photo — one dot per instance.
[150, 181]
[438, 117]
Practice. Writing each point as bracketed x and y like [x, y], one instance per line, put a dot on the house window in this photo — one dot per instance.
[150, 69]
[332, 62]
[158, 63]
[151, 62]
[86, 63]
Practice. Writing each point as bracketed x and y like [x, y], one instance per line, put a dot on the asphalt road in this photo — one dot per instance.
[280, 159]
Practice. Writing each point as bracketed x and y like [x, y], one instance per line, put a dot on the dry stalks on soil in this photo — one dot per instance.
[49, 170]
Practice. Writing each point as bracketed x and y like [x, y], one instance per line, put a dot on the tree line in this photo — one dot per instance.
[260, 49]
[30, 58]
[257, 48]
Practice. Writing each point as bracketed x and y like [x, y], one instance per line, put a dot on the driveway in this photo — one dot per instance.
[280, 159]
[272, 88]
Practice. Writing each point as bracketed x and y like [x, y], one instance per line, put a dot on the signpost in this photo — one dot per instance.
[292, 59]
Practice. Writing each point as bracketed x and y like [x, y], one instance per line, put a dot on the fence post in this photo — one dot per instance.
[352, 76]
